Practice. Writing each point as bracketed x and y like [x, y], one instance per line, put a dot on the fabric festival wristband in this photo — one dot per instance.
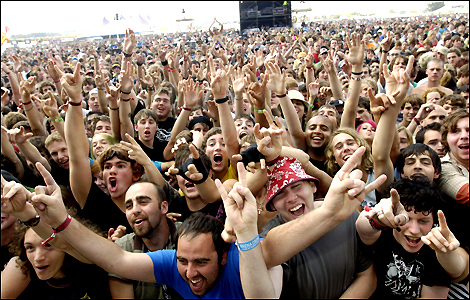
[357, 73]
[249, 245]
[59, 119]
[260, 111]
[126, 93]
[127, 55]
[74, 103]
[222, 100]
[61, 227]
[281, 96]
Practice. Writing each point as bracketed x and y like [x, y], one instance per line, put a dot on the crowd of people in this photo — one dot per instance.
[325, 161]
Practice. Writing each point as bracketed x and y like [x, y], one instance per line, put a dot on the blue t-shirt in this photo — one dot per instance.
[228, 287]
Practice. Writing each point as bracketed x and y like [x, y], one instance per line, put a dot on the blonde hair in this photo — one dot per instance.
[367, 161]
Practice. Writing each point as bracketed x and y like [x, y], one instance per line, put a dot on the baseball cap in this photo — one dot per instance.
[323, 50]
[337, 102]
[287, 171]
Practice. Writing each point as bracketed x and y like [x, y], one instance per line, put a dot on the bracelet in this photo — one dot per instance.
[356, 78]
[151, 88]
[249, 245]
[164, 63]
[281, 96]
[222, 100]
[74, 103]
[416, 120]
[166, 68]
[56, 81]
[113, 108]
[185, 108]
[31, 222]
[383, 51]
[126, 93]
[139, 64]
[375, 225]
[59, 119]
[127, 55]
[57, 230]
[126, 100]
[172, 70]
[239, 98]
[273, 161]
[357, 73]
[308, 68]
[25, 103]
[29, 109]
[260, 111]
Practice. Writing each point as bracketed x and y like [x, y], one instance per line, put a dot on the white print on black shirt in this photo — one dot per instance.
[404, 279]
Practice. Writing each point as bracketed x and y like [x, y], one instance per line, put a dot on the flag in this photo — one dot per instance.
[4, 35]
[105, 22]
[142, 20]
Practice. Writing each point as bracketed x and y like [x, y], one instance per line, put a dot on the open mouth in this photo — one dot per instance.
[112, 184]
[189, 185]
[41, 269]
[412, 241]
[196, 285]
[464, 147]
[218, 158]
[298, 210]
[242, 134]
[137, 222]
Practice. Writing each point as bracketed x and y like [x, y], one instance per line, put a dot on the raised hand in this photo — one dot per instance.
[398, 80]
[269, 140]
[441, 239]
[129, 42]
[380, 102]
[136, 152]
[125, 77]
[49, 106]
[72, 83]
[26, 85]
[48, 200]
[219, 84]
[14, 198]
[192, 93]
[276, 79]
[389, 212]
[115, 234]
[356, 50]
[347, 190]
[240, 205]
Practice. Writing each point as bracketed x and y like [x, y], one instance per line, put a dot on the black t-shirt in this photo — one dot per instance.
[320, 164]
[102, 211]
[401, 274]
[157, 152]
[180, 206]
[60, 175]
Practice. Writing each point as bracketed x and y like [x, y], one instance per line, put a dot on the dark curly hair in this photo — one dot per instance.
[418, 194]
[17, 248]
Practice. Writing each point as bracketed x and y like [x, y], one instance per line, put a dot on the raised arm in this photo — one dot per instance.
[77, 141]
[34, 117]
[99, 250]
[355, 58]
[125, 114]
[397, 84]
[344, 196]
[242, 214]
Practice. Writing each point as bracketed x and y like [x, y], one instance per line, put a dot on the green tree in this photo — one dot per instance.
[434, 6]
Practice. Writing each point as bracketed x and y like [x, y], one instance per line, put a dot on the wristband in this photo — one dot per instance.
[281, 96]
[260, 111]
[125, 100]
[61, 227]
[172, 70]
[151, 88]
[164, 63]
[31, 222]
[74, 103]
[114, 108]
[25, 103]
[59, 119]
[186, 108]
[221, 100]
[273, 162]
[127, 55]
[56, 81]
[139, 64]
[126, 93]
[357, 73]
[375, 225]
[416, 120]
[239, 98]
[248, 245]
[383, 51]
[308, 68]
[166, 68]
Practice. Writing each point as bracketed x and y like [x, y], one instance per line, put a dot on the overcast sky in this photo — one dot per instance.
[24, 17]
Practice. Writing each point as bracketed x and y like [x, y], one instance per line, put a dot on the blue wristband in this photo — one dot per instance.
[248, 245]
